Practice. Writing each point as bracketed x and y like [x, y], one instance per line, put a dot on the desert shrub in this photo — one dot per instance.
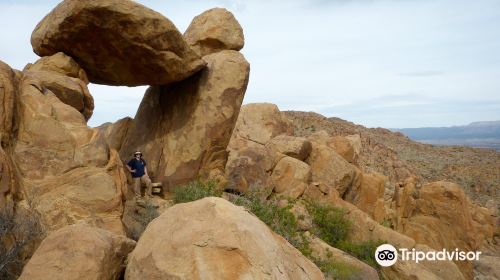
[196, 190]
[330, 223]
[147, 213]
[336, 270]
[20, 231]
[364, 251]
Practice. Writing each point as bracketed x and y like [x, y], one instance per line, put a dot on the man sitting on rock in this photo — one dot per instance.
[137, 166]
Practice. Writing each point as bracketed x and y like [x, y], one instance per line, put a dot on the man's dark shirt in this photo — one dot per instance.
[138, 165]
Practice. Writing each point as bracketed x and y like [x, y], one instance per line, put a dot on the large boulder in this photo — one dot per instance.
[214, 30]
[68, 82]
[258, 123]
[296, 147]
[183, 129]
[330, 168]
[290, 177]
[440, 215]
[250, 169]
[79, 252]
[369, 195]
[117, 42]
[191, 241]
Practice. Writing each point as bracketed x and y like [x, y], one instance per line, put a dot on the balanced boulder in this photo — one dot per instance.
[117, 42]
[184, 128]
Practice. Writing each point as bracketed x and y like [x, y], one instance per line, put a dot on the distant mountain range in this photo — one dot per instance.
[476, 134]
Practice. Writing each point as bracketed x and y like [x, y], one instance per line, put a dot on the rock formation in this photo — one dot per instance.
[185, 127]
[117, 42]
[79, 252]
[213, 31]
[191, 241]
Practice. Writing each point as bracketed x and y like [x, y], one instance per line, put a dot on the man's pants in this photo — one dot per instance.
[143, 180]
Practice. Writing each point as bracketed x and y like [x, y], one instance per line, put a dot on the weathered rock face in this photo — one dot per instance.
[440, 215]
[190, 241]
[8, 86]
[258, 123]
[290, 177]
[369, 196]
[250, 168]
[330, 168]
[64, 165]
[62, 76]
[214, 30]
[79, 252]
[115, 132]
[117, 42]
[183, 129]
[296, 147]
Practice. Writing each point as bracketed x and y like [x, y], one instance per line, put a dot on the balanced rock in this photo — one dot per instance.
[117, 42]
[184, 128]
[214, 30]
[79, 252]
[191, 241]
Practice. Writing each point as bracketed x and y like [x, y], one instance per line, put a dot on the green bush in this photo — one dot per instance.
[336, 270]
[364, 251]
[196, 190]
[330, 223]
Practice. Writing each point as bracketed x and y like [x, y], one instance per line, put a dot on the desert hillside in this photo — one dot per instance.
[198, 186]
[395, 155]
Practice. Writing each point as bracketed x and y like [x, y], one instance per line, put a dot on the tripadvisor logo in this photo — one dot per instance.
[387, 255]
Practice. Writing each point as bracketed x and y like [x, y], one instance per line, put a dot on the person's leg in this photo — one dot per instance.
[137, 187]
[149, 187]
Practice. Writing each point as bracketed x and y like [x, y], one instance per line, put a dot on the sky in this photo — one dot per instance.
[378, 63]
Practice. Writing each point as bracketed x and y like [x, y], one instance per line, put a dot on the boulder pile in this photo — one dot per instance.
[192, 126]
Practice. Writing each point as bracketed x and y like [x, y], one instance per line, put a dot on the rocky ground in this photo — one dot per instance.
[67, 183]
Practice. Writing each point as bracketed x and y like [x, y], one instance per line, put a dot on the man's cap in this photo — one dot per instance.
[137, 153]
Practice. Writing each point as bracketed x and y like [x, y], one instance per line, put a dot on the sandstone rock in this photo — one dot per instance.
[7, 181]
[214, 30]
[71, 91]
[59, 63]
[259, 123]
[441, 216]
[290, 177]
[369, 196]
[115, 132]
[191, 241]
[79, 252]
[296, 147]
[487, 268]
[344, 148]
[183, 129]
[8, 86]
[117, 42]
[364, 228]
[324, 252]
[65, 165]
[137, 214]
[250, 168]
[330, 168]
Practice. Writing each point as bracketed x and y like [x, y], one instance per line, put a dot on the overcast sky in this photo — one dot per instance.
[379, 63]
